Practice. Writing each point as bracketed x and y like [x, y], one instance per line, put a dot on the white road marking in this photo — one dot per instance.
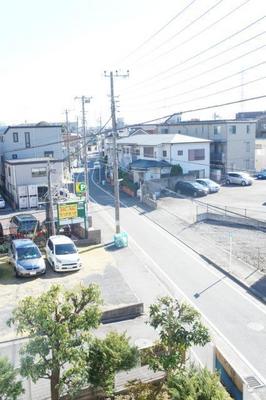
[173, 284]
[197, 258]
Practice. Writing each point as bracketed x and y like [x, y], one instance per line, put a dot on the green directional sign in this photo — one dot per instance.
[81, 187]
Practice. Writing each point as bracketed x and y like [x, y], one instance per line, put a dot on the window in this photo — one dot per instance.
[27, 139]
[148, 152]
[164, 153]
[248, 128]
[37, 172]
[232, 129]
[49, 154]
[247, 164]
[15, 137]
[127, 150]
[137, 152]
[9, 171]
[217, 130]
[14, 156]
[164, 130]
[1, 139]
[247, 147]
[179, 152]
[258, 146]
[196, 154]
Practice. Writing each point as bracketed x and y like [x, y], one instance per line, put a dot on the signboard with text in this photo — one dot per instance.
[80, 188]
[71, 211]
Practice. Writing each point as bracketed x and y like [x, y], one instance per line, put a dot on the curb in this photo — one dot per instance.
[122, 313]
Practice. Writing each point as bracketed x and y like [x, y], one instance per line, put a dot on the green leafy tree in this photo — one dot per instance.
[179, 328]
[10, 387]
[196, 384]
[176, 170]
[107, 356]
[137, 390]
[58, 324]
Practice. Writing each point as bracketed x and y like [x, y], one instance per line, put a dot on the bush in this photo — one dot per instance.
[176, 170]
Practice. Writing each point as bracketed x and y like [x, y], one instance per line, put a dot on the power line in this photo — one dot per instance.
[159, 30]
[210, 83]
[200, 53]
[210, 69]
[164, 117]
[202, 31]
[183, 29]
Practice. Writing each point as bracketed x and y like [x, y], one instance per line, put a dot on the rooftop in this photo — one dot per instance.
[40, 160]
[145, 164]
[157, 139]
[41, 124]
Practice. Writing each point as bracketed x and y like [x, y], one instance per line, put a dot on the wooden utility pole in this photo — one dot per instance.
[115, 160]
[50, 209]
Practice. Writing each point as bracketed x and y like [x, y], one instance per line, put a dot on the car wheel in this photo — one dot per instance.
[243, 183]
[228, 182]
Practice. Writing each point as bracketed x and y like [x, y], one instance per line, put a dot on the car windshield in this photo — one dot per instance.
[196, 185]
[28, 253]
[27, 226]
[66, 248]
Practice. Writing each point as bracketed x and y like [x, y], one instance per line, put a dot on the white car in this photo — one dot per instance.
[62, 254]
[2, 202]
[208, 183]
[238, 178]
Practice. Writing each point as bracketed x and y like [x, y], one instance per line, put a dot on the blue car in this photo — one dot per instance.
[261, 174]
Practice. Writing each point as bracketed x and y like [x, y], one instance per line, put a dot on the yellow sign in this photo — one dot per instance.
[67, 211]
[80, 187]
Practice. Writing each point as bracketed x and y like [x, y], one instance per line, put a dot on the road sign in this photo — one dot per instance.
[80, 187]
[73, 210]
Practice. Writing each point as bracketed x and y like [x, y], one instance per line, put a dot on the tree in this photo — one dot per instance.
[107, 356]
[176, 170]
[10, 387]
[137, 390]
[58, 324]
[196, 384]
[179, 328]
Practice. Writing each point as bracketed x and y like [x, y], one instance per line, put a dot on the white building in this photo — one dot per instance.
[151, 156]
[31, 141]
[27, 180]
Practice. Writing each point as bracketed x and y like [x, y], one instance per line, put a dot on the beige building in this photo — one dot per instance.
[260, 155]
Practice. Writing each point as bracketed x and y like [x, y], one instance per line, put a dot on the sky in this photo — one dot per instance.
[181, 55]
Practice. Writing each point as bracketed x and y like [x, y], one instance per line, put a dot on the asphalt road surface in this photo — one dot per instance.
[233, 315]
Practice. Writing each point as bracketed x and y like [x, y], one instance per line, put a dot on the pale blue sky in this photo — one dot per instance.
[52, 51]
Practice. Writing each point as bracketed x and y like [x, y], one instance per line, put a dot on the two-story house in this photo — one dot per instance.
[24, 145]
[151, 156]
[232, 141]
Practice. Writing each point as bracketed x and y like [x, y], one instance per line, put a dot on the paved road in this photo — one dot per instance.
[233, 315]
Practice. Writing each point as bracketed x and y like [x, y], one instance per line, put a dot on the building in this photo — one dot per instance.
[232, 141]
[31, 141]
[27, 180]
[151, 156]
[260, 155]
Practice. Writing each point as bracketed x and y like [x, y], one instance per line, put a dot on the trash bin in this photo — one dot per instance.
[121, 240]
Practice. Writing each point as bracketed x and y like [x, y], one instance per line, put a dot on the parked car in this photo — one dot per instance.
[26, 258]
[23, 225]
[238, 178]
[62, 254]
[2, 202]
[191, 189]
[261, 174]
[208, 183]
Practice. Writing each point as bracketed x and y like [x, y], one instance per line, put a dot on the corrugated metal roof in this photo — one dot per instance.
[157, 139]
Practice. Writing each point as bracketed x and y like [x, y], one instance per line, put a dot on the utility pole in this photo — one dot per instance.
[68, 145]
[50, 210]
[84, 100]
[115, 161]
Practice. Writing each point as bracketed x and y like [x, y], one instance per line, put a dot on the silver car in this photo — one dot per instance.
[238, 178]
[26, 258]
[212, 186]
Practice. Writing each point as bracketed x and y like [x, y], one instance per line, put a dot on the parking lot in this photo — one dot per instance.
[247, 200]
[98, 266]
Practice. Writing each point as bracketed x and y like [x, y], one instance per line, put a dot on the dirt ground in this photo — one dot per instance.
[247, 244]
